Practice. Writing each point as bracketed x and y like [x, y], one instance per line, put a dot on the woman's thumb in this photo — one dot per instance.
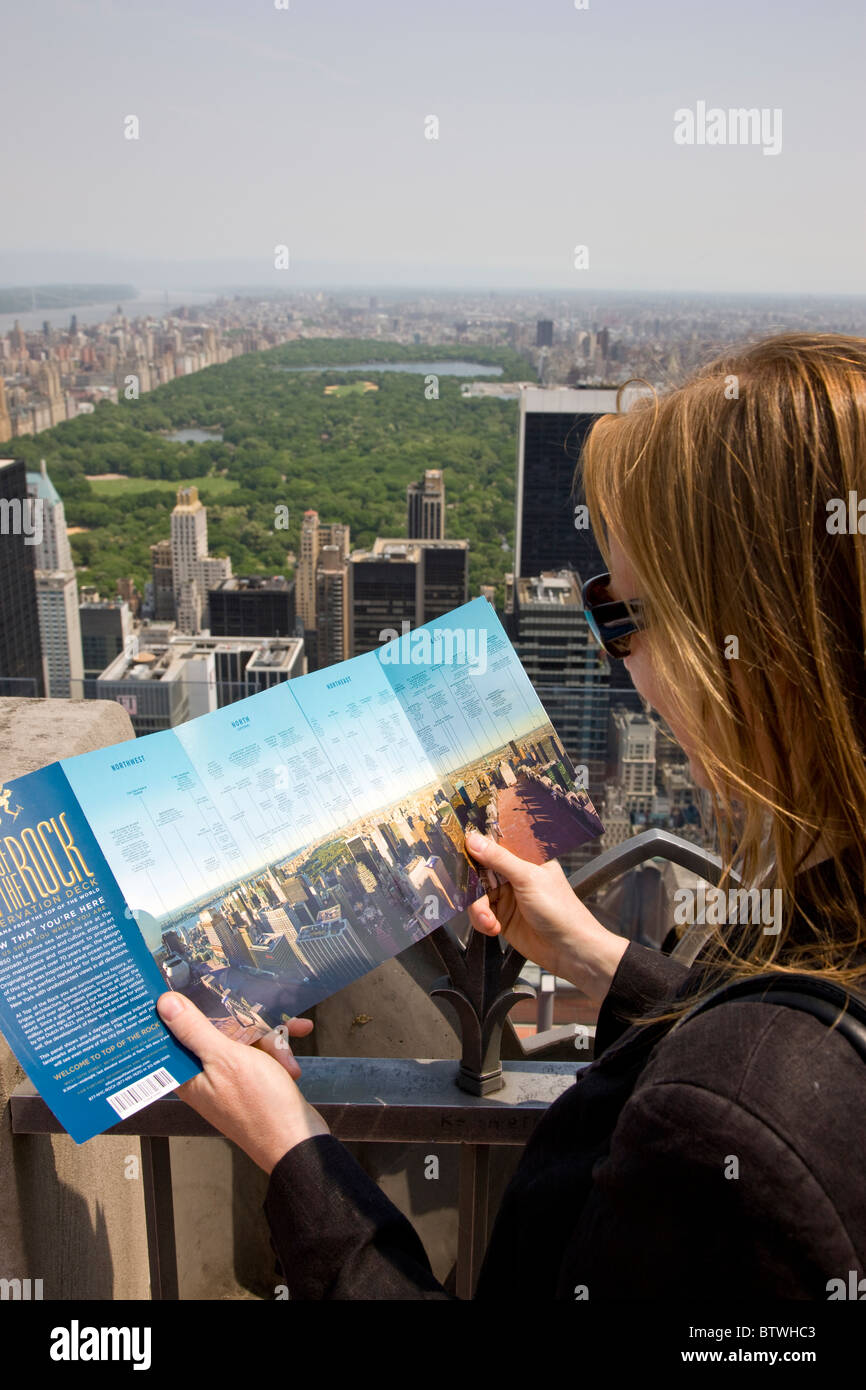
[494, 856]
[189, 1025]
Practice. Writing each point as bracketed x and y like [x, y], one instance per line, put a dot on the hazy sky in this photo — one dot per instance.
[305, 127]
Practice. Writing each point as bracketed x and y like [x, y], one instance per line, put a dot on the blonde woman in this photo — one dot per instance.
[723, 1158]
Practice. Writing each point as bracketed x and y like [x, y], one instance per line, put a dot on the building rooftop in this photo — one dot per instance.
[40, 485]
[386, 545]
[253, 582]
[560, 588]
[165, 661]
[575, 400]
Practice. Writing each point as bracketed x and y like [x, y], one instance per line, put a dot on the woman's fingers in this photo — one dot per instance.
[517, 871]
[482, 917]
[299, 1027]
[277, 1045]
[191, 1027]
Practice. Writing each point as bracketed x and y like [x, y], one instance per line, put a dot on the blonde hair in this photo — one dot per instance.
[718, 493]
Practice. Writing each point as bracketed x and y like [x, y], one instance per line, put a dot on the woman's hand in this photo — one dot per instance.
[541, 916]
[245, 1091]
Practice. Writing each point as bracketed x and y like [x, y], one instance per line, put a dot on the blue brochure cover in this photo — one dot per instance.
[261, 857]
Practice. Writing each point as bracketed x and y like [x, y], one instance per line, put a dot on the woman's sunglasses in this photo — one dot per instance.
[612, 624]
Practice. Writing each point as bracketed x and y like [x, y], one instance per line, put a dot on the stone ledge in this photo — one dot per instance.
[34, 733]
[69, 1215]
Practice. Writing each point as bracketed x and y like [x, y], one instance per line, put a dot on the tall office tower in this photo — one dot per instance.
[188, 546]
[60, 634]
[334, 948]
[446, 577]
[164, 608]
[386, 587]
[174, 942]
[222, 939]
[403, 580]
[252, 607]
[53, 551]
[194, 572]
[21, 667]
[553, 425]
[314, 536]
[5, 417]
[425, 506]
[210, 573]
[306, 573]
[636, 760]
[569, 672]
[544, 333]
[50, 387]
[282, 921]
[106, 627]
[56, 594]
[332, 608]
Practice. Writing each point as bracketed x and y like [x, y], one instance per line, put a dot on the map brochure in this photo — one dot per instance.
[264, 855]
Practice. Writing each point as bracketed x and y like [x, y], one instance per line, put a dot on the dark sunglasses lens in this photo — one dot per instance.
[596, 593]
[618, 647]
[597, 590]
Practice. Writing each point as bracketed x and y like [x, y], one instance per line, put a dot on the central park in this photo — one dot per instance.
[286, 428]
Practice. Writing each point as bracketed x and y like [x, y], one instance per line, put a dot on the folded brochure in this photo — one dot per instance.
[264, 855]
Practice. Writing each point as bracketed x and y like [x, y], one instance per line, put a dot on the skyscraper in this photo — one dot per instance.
[403, 580]
[252, 606]
[425, 506]
[313, 538]
[106, 627]
[553, 425]
[21, 668]
[188, 546]
[56, 595]
[636, 759]
[332, 607]
[333, 947]
[386, 587]
[306, 575]
[568, 670]
[446, 576]
[194, 572]
[5, 418]
[163, 604]
[544, 333]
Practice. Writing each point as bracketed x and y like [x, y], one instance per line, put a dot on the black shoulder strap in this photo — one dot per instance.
[833, 1005]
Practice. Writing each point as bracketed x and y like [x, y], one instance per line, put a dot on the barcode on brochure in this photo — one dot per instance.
[141, 1093]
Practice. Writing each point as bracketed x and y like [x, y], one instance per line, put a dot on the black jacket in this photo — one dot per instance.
[725, 1161]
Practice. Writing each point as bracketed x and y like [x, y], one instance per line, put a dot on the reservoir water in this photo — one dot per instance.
[456, 368]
